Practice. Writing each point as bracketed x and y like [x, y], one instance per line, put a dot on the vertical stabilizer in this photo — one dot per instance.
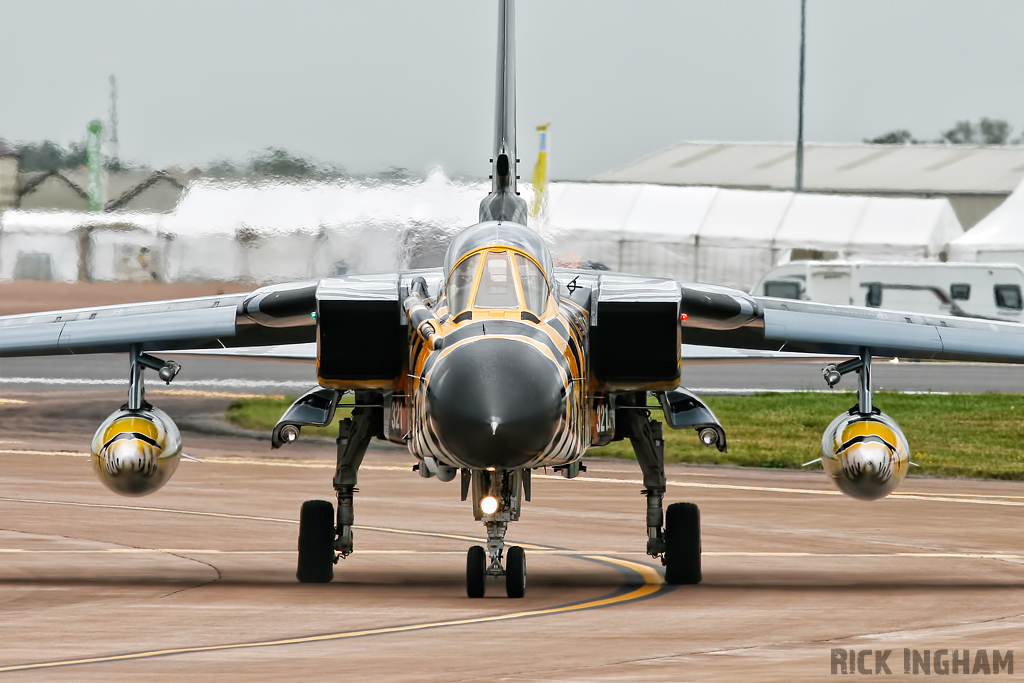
[504, 203]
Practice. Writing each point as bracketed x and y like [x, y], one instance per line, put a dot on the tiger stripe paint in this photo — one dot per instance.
[867, 456]
[556, 332]
[135, 452]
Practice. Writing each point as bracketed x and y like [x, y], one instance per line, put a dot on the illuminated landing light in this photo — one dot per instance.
[488, 505]
[490, 469]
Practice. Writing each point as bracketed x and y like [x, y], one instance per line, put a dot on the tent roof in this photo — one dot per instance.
[708, 215]
[722, 217]
[16, 220]
[1003, 228]
[857, 168]
[220, 207]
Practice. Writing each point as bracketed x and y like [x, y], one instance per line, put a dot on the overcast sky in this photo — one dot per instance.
[372, 84]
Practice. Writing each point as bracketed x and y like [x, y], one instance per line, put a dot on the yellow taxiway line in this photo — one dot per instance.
[652, 583]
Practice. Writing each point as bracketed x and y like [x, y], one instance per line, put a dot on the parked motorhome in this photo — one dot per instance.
[976, 290]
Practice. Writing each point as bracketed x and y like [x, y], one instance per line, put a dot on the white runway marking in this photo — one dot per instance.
[210, 394]
[362, 551]
[306, 384]
[751, 390]
[123, 382]
[534, 550]
[974, 499]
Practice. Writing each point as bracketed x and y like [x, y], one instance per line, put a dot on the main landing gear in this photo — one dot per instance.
[497, 497]
[673, 535]
[324, 538]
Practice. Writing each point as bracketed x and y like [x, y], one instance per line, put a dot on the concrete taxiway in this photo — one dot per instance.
[197, 580]
[274, 377]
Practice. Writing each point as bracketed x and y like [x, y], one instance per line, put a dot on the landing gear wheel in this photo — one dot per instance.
[682, 544]
[316, 542]
[476, 571]
[515, 572]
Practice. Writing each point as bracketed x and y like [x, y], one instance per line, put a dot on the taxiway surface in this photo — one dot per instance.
[274, 377]
[198, 580]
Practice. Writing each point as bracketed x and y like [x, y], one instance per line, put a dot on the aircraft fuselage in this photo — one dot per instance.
[508, 387]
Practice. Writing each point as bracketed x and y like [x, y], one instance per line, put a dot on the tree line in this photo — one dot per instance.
[985, 132]
[272, 162]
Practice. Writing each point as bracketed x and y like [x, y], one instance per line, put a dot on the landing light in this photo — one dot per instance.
[488, 505]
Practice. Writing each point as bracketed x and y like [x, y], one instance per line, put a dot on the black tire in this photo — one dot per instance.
[476, 571]
[316, 542]
[515, 572]
[682, 544]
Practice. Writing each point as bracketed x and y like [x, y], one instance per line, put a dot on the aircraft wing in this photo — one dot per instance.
[724, 317]
[279, 314]
[719, 324]
[691, 354]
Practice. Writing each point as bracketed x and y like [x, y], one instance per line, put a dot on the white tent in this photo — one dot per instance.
[231, 231]
[998, 238]
[279, 231]
[59, 245]
[733, 237]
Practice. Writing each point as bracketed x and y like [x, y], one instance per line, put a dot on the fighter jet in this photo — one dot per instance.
[499, 363]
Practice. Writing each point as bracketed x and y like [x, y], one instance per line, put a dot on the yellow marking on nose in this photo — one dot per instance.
[132, 424]
[869, 428]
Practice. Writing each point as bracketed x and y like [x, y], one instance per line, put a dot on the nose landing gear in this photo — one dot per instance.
[506, 489]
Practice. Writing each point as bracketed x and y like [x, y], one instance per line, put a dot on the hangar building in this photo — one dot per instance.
[974, 179]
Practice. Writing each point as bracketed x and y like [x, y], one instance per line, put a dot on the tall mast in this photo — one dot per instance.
[115, 152]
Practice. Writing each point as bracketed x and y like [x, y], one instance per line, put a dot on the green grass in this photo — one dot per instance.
[963, 435]
[263, 413]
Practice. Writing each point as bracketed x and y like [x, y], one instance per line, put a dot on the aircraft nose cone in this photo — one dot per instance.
[495, 402]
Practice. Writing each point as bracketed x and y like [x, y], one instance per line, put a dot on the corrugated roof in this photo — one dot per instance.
[859, 168]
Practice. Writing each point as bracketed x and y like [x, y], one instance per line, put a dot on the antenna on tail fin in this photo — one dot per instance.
[504, 202]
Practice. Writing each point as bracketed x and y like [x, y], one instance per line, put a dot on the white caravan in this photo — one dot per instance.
[975, 290]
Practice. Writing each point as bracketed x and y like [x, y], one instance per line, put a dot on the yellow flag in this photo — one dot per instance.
[539, 206]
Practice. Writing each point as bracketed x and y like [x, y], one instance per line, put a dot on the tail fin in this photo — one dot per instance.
[504, 203]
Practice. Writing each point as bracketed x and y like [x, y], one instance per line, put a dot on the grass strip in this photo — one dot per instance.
[959, 435]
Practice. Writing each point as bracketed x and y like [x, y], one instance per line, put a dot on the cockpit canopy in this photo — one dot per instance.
[498, 266]
[496, 233]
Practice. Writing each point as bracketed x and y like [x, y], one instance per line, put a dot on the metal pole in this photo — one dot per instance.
[864, 395]
[800, 115]
[115, 152]
[136, 392]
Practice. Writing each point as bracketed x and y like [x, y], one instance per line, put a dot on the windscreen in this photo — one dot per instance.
[535, 287]
[497, 286]
[781, 289]
[460, 284]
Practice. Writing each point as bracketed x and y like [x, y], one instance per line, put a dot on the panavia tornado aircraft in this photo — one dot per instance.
[499, 363]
